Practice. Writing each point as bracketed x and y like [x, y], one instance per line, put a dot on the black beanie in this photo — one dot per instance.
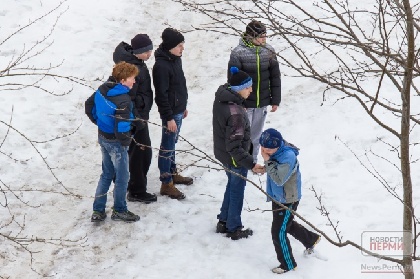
[171, 38]
[141, 43]
[255, 28]
[239, 80]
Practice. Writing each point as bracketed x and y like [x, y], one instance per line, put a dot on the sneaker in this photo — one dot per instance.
[144, 197]
[221, 227]
[239, 233]
[310, 250]
[98, 216]
[125, 216]
[279, 270]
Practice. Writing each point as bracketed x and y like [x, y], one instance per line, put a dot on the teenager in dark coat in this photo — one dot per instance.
[141, 94]
[171, 99]
[233, 147]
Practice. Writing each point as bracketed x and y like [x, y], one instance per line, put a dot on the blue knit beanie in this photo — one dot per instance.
[239, 80]
[271, 138]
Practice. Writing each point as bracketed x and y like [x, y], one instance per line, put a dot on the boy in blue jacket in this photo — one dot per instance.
[111, 109]
[284, 186]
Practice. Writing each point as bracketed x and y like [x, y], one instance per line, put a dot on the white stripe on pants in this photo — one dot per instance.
[256, 118]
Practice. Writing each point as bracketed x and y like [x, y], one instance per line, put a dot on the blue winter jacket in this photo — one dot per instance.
[283, 175]
[111, 109]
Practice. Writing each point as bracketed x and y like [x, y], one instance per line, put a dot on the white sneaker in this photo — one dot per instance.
[278, 270]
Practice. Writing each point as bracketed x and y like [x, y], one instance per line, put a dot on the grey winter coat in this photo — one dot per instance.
[260, 62]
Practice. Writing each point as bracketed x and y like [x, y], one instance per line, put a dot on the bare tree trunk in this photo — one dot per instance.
[405, 145]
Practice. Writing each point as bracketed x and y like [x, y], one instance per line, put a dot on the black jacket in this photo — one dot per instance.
[170, 84]
[141, 93]
[231, 130]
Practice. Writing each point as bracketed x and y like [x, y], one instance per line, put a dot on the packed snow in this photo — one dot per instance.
[173, 239]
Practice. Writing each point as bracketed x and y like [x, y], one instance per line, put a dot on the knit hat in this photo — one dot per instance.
[255, 28]
[141, 43]
[239, 80]
[171, 38]
[271, 138]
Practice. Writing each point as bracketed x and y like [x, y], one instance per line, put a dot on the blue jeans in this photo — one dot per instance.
[166, 160]
[231, 209]
[114, 163]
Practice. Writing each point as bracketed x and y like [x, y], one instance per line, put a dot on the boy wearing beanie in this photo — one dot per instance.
[258, 59]
[140, 152]
[171, 99]
[111, 109]
[232, 147]
[284, 186]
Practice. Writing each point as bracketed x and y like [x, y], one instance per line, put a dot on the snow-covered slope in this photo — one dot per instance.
[174, 239]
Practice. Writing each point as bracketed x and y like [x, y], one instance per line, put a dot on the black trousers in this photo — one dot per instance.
[140, 158]
[284, 224]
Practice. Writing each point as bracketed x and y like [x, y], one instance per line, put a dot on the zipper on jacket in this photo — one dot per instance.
[258, 74]
[234, 163]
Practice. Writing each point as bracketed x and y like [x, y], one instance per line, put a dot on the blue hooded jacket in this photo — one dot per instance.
[111, 109]
[283, 174]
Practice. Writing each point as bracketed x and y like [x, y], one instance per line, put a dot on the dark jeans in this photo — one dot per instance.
[284, 224]
[166, 160]
[140, 160]
[233, 200]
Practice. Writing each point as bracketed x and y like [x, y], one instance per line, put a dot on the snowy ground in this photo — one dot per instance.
[173, 239]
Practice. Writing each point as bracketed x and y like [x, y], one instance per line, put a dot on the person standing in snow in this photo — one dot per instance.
[258, 59]
[232, 147]
[111, 109]
[171, 99]
[284, 186]
[140, 151]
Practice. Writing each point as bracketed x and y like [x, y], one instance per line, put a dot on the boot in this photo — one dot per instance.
[239, 233]
[221, 227]
[179, 179]
[170, 190]
[143, 197]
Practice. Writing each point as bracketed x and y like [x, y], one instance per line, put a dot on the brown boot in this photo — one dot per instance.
[170, 190]
[179, 179]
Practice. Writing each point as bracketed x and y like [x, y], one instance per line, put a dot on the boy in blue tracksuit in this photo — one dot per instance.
[284, 186]
[111, 109]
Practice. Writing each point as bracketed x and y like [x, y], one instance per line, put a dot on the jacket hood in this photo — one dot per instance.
[225, 95]
[111, 89]
[124, 52]
[245, 43]
[162, 54]
[284, 147]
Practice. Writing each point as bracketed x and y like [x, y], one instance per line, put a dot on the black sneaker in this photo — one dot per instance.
[239, 233]
[221, 227]
[98, 216]
[144, 197]
[126, 216]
